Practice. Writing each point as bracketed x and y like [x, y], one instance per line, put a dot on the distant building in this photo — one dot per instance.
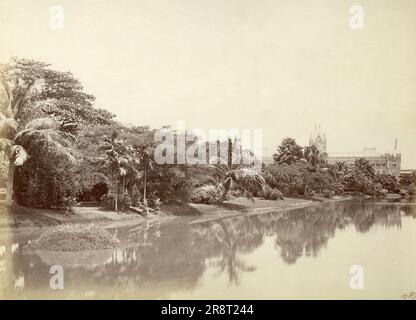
[382, 163]
[318, 139]
[404, 173]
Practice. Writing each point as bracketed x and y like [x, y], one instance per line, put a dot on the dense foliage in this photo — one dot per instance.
[57, 148]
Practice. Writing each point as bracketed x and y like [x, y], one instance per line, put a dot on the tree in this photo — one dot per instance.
[246, 178]
[40, 136]
[29, 90]
[146, 162]
[359, 177]
[364, 166]
[117, 161]
[32, 88]
[388, 182]
[288, 152]
[314, 157]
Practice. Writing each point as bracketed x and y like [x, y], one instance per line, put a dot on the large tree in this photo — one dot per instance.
[29, 90]
[288, 152]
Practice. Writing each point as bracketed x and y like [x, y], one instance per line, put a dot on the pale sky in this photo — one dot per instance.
[278, 65]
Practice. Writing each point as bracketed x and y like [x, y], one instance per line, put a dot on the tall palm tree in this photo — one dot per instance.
[118, 161]
[146, 162]
[42, 136]
[246, 178]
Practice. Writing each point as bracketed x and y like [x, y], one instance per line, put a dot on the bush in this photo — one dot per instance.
[270, 193]
[338, 188]
[328, 193]
[388, 182]
[205, 194]
[39, 184]
[288, 178]
[299, 179]
[153, 202]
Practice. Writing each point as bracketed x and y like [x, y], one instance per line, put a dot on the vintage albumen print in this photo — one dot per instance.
[207, 149]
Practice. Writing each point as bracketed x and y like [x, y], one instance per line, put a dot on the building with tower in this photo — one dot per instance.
[382, 163]
[318, 139]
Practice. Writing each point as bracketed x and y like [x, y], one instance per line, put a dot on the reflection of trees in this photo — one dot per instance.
[306, 231]
[365, 214]
[233, 238]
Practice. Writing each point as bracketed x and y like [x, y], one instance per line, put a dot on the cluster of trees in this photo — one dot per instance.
[57, 147]
[42, 113]
[304, 171]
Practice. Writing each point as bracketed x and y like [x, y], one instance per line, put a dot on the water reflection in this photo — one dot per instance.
[168, 258]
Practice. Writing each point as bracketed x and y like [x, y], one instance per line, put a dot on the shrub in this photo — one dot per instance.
[338, 188]
[205, 194]
[388, 182]
[328, 193]
[153, 202]
[299, 179]
[288, 178]
[42, 185]
[270, 193]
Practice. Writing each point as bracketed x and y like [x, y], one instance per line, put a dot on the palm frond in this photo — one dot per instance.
[42, 124]
[48, 143]
[18, 155]
[246, 175]
[122, 171]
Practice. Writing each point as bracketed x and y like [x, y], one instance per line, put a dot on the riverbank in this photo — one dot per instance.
[19, 224]
[17, 217]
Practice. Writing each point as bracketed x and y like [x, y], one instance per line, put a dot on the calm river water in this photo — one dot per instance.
[305, 254]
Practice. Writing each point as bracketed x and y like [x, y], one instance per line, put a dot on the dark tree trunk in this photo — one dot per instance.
[10, 181]
[227, 185]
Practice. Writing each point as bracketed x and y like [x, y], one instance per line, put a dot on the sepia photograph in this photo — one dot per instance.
[216, 150]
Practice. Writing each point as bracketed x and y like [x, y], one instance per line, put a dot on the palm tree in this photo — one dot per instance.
[247, 179]
[118, 161]
[144, 154]
[41, 136]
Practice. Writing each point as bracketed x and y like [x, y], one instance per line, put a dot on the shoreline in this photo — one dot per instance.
[22, 221]
[37, 221]
[27, 220]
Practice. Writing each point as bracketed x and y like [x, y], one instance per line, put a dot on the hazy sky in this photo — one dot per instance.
[279, 65]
